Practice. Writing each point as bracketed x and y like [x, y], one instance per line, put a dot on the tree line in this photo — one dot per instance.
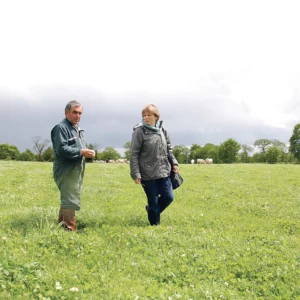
[43, 152]
[230, 151]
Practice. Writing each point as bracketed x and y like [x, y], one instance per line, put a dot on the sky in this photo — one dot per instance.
[215, 69]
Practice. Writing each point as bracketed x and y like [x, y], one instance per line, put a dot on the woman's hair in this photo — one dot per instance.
[152, 109]
[71, 104]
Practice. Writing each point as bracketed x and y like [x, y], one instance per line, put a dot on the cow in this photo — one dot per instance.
[192, 161]
[121, 161]
[209, 161]
[200, 161]
[109, 161]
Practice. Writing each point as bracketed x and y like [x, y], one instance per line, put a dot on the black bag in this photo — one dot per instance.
[176, 179]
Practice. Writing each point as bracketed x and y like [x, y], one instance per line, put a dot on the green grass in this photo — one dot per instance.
[233, 232]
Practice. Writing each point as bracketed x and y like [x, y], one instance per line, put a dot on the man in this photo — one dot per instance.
[69, 163]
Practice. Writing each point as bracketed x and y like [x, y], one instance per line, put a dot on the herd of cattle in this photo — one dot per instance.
[123, 161]
[111, 161]
[208, 161]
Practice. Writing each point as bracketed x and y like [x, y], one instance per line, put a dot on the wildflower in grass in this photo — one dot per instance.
[226, 283]
[58, 285]
[74, 289]
[4, 238]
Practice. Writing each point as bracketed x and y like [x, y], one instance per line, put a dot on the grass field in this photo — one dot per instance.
[232, 232]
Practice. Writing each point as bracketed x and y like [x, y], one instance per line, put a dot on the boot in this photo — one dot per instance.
[69, 219]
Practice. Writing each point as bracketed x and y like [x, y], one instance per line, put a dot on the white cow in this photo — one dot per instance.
[192, 161]
[121, 161]
[200, 161]
[209, 161]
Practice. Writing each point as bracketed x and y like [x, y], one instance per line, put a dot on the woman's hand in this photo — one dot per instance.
[137, 180]
[175, 169]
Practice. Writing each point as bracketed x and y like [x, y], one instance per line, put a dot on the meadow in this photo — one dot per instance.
[232, 232]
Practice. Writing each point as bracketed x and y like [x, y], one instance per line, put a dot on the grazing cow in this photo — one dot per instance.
[209, 161]
[200, 161]
[110, 161]
[192, 161]
[121, 160]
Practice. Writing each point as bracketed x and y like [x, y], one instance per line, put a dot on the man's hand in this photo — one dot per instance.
[88, 153]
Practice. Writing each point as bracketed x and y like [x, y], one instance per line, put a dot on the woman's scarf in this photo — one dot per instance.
[156, 128]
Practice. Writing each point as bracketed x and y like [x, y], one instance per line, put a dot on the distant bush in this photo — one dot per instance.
[27, 156]
[9, 152]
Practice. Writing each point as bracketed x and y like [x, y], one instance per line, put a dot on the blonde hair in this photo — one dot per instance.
[151, 108]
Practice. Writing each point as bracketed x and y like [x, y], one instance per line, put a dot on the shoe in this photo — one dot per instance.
[69, 220]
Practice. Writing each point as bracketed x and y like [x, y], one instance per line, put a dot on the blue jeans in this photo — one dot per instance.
[160, 195]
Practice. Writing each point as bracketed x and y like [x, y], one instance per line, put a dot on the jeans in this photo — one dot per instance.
[160, 195]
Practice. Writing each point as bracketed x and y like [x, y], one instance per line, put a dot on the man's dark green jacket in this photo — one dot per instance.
[67, 143]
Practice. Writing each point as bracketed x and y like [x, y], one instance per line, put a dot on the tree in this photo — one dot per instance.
[258, 157]
[262, 144]
[91, 147]
[213, 153]
[228, 151]
[193, 151]
[208, 151]
[246, 149]
[97, 147]
[94, 146]
[127, 147]
[27, 155]
[9, 152]
[283, 157]
[275, 142]
[272, 154]
[194, 147]
[181, 153]
[109, 153]
[295, 142]
[39, 145]
[48, 154]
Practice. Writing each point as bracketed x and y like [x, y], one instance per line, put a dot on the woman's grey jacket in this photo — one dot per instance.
[150, 154]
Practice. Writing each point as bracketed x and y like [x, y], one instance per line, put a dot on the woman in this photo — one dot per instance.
[150, 154]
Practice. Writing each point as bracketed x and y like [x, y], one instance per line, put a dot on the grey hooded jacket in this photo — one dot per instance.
[149, 154]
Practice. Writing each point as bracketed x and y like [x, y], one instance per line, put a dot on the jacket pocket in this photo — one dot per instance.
[72, 141]
[149, 169]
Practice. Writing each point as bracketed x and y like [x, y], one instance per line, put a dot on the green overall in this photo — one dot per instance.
[69, 164]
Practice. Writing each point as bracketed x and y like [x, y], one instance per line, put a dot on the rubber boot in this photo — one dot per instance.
[69, 219]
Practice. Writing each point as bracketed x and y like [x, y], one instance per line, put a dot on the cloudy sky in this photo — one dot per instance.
[215, 69]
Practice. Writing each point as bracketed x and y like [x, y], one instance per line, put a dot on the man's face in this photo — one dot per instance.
[74, 115]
